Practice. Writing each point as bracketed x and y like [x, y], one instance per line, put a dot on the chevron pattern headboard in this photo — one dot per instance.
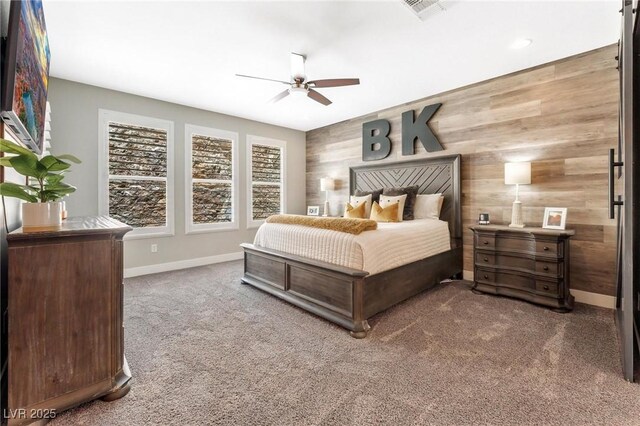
[432, 175]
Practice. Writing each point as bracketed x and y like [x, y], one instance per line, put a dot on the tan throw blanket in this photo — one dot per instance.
[340, 224]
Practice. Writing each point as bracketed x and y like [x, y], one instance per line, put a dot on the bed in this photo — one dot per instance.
[326, 274]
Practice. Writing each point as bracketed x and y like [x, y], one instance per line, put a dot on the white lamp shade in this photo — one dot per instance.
[517, 173]
[327, 184]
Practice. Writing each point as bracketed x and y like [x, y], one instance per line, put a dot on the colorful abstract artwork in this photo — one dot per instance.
[32, 69]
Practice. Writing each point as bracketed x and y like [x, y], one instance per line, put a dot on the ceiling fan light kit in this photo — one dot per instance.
[298, 91]
[300, 86]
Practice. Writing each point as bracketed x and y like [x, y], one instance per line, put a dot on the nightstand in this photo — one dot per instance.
[531, 264]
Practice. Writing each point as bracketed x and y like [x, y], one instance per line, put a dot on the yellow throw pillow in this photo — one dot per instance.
[386, 201]
[388, 214]
[355, 212]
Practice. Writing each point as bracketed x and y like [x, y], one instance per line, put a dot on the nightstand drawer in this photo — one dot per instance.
[507, 243]
[485, 259]
[506, 279]
[547, 286]
[500, 260]
[549, 248]
[486, 276]
[484, 241]
[552, 268]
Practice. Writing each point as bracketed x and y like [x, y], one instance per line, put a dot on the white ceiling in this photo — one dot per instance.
[188, 52]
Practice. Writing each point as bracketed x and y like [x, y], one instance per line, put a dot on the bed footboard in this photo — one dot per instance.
[329, 291]
[345, 296]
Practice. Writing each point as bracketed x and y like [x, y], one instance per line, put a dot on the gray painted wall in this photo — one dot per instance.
[75, 130]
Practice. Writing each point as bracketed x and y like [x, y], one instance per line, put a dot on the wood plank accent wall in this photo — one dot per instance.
[561, 116]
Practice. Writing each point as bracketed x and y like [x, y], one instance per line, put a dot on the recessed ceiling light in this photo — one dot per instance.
[520, 43]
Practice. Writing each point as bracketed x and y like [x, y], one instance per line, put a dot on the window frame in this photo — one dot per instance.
[197, 228]
[104, 118]
[265, 141]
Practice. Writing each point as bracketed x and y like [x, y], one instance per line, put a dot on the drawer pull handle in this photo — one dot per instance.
[545, 248]
[546, 287]
[485, 243]
[486, 259]
[546, 268]
[486, 277]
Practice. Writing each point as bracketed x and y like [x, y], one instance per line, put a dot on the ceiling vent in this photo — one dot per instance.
[425, 8]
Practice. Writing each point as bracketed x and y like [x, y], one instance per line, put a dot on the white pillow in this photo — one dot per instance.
[428, 206]
[356, 201]
[386, 201]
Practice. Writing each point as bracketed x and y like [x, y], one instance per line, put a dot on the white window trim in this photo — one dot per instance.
[260, 140]
[106, 116]
[196, 228]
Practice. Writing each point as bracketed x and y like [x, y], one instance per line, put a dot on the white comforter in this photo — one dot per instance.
[390, 246]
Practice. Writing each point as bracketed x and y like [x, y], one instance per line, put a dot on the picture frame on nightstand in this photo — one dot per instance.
[483, 219]
[555, 218]
[313, 210]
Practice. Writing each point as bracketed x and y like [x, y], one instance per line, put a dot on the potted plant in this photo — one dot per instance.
[45, 188]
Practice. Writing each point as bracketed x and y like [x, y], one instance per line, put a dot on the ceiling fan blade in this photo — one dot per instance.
[316, 96]
[297, 67]
[335, 82]
[279, 96]
[262, 78]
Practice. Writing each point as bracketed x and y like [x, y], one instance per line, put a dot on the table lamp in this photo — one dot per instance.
[327, 184]
[517, 174]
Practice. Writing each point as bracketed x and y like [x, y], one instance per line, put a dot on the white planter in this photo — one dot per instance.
[41, 216]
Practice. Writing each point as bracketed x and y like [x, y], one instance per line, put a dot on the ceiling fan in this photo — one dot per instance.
[300, 86]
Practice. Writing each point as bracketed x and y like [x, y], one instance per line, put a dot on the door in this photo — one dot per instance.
[621, 206]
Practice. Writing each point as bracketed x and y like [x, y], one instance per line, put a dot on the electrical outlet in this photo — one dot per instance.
[154, 248]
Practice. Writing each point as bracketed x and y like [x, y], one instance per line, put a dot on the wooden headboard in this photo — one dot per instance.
[432, 175]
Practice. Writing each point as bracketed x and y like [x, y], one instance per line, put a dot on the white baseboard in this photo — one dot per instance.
[594, 299]
[581, 296]
[181, 264]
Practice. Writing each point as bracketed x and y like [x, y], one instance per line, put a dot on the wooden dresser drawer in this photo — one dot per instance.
[549, 248]
[500, 260]
[551, 268]
[486, 276]
[507, 279]
[547, 287]
[509, 243]
[485, 241]
[485, 259]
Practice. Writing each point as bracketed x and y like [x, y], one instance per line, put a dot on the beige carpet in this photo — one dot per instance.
[204, 349]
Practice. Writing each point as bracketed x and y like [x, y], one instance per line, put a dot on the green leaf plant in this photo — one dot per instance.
[44, 175]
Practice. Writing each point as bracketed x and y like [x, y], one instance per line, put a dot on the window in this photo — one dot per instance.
[136, 172]
[266, 167]
[211, 164]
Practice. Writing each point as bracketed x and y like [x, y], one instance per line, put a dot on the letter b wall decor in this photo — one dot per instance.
[376, 144]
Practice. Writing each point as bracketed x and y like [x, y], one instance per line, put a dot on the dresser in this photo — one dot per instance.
[532, 264]
[66, 336]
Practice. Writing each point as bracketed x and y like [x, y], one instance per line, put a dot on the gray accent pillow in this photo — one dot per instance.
[375, 195]
[410, 203]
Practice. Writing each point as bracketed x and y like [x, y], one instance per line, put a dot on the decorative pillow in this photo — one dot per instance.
[355, 212]
[389, 214]
[409, 205]
[428, 206]
[375, 195]
[400, 200]
[364, 200]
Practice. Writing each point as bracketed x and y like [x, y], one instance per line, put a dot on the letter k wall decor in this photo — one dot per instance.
[376, 144]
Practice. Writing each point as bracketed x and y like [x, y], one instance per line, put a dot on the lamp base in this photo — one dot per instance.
[516, 215]
[326, 209]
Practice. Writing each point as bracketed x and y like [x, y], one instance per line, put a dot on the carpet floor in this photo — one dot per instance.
[204, 349]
